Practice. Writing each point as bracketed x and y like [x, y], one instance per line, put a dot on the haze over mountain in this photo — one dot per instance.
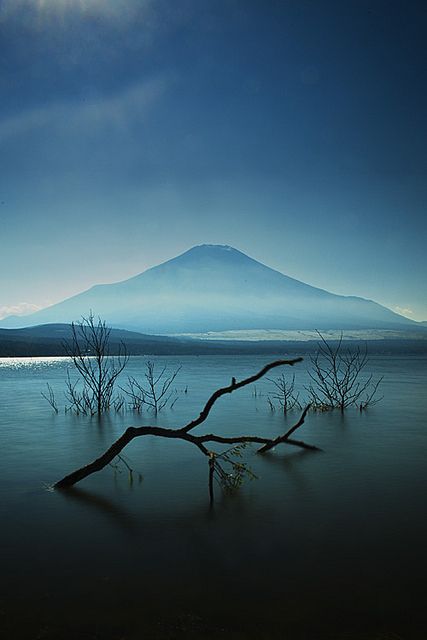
[216, 288]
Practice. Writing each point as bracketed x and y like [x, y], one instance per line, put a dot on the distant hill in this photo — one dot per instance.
[216, 288]
[48, 340]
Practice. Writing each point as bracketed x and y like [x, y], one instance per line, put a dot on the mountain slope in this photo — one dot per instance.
[216, 288]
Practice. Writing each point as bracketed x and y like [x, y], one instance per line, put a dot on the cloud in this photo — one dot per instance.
[20, 309]
[42, 14]
[404, 311]
[116, 111]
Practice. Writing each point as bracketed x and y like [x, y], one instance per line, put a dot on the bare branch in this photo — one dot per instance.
[50, 397]
[285, 394]
[153, 395]
[336, 377]
[198, 441]
[98, 369]
[232, 387]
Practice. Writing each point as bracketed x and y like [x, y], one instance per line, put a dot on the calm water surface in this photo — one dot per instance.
[322, 545]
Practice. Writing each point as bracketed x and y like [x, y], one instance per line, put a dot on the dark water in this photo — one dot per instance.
[322, 545]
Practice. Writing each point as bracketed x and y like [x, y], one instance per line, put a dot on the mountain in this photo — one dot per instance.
[216, 288]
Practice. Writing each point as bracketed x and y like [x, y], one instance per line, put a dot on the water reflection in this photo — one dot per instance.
[115, 513]
[33, 363]
[290, 464]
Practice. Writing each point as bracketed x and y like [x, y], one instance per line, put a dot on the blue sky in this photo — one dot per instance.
[293, 130]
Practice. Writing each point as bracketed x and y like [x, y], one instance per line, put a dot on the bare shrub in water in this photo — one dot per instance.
[89, 348]
[155, 392]
[336, 377]
[284, 394]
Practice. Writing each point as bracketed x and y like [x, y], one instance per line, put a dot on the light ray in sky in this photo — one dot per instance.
[117, 111]
[39, 12]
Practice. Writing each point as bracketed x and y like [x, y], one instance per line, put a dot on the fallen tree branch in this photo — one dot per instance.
[233, 386]
[285, 437]
[199, 441]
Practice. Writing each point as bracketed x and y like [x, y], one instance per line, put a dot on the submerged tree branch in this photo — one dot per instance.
[233, 386]
[199, 441]
[285, 437]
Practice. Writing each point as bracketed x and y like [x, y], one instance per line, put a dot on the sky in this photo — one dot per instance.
[293, 130]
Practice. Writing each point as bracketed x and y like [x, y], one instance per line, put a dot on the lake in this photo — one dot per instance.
[327, 544]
